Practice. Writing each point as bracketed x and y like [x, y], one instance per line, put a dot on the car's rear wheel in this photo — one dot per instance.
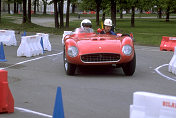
[69, 68]
[129, 68]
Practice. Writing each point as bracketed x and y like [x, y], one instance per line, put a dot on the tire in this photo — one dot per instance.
[129, 68]
[69, 68]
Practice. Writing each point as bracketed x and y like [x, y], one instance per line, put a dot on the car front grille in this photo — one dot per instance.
[100, 57]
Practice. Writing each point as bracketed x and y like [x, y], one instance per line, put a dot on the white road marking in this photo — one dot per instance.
[161, 74]
[33, 112]
[31, 60]
[27, 110]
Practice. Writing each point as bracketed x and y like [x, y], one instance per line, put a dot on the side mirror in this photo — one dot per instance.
[119, 34]
[131, 35]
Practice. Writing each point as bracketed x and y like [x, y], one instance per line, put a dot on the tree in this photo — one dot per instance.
[121, 8]
[15, 6]
[61, 13]
[144, 5]
[67, 14]
[35, 6]
[87, 5]
[73, 2]
[123, 5]
[132, 15]
[113, 12]
[167, 13]
[165, 5]
[98, 3]
[106, 8]
[159, 12]
[44, 6]
[133, 4]
[8, 2]
[56, 14]
[24, 11]
[170, 4]
[19, 2]
[160, 6]
[91, 5]
[38, 4]
[29, 11]
[0, 11]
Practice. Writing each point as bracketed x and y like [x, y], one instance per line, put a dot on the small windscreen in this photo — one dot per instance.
[83, 30]
[87, 25]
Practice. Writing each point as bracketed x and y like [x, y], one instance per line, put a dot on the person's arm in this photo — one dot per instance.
[112, 33]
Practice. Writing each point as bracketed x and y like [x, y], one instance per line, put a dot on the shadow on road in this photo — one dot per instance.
[99, 71]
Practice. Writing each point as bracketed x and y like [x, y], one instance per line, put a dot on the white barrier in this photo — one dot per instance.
[150, 105]
[7, 37]
[64, 34]
[172, 63]
[30, 46]
[46, 42]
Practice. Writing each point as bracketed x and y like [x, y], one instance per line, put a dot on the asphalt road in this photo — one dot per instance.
[91, 93]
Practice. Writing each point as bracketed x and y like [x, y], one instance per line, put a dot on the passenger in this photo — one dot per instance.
[107, 27]
[86, 26]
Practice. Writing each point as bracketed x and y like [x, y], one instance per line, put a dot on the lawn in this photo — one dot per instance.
[146, 31]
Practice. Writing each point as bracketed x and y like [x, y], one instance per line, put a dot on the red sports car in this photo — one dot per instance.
[82, 48]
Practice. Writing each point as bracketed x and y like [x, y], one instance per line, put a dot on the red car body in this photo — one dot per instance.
[98, 49]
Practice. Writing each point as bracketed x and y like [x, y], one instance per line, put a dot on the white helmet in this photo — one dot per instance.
[108, 22]
[86, 23]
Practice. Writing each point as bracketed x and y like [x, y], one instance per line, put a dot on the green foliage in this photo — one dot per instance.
[74, 1]
[106, 7]
[9, 1]
[164, 4]
[87, 5]
[19, 1]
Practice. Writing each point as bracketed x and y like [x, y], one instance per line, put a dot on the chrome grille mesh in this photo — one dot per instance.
[100, 57]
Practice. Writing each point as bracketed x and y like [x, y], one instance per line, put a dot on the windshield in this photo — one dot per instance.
[83, 30]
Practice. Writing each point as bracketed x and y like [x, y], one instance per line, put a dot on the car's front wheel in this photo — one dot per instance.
[69, 68]
[129, 68]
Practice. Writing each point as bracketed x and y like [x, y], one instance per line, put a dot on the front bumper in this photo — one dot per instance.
[100, 59]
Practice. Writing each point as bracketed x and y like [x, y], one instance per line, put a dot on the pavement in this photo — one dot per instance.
[45, 21]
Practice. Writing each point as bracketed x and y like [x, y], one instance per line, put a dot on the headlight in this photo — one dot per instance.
[127, 50]
[72, 51]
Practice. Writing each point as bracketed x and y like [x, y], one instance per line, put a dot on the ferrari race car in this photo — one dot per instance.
[82, 48]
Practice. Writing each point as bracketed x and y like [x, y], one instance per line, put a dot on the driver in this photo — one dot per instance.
[86, 26]
[107, 27]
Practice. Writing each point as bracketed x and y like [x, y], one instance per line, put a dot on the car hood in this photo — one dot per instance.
[95, 45]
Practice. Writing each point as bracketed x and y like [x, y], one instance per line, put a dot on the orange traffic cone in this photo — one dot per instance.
[6, 98]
